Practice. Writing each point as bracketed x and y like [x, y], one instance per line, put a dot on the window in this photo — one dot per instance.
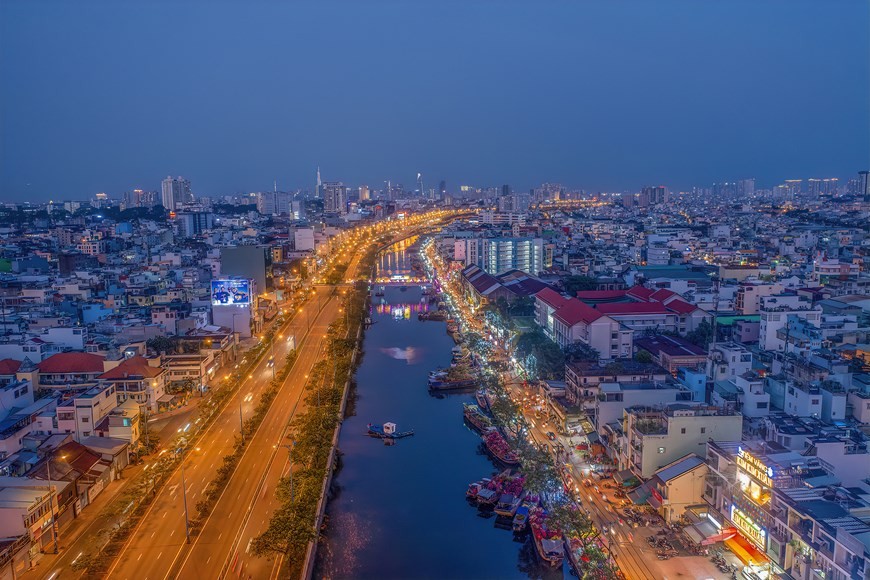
[703, 429]
[661, 450]
[86, 419]
[814, 402]
[683, 430]
[761, 405]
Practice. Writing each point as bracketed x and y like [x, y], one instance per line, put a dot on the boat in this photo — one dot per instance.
[521, 518]
[548, 543]
[483, 401]
[448, 385]
[475, 417]
[474, 488]
[487, 497]
[574, 549]
[387, 431]
[499, 449]
[508, 504]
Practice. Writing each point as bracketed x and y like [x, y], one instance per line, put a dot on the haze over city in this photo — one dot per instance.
[108, 97]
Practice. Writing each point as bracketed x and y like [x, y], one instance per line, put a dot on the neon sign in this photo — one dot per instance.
[748, 526]
[755, 467]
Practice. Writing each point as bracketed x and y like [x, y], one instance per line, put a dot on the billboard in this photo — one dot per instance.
[230, 292]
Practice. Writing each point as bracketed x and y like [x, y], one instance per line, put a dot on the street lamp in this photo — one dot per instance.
[184, 496]
[55, 529]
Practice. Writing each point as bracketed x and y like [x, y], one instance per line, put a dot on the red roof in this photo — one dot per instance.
[136, 366]
[551, 298]
[681, 306]
[575, 312]
[640, 292]
[9, 366]
[662, 294]
[72, 362]
[632, 308]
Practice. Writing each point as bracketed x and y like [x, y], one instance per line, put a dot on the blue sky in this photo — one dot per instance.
[110, 96]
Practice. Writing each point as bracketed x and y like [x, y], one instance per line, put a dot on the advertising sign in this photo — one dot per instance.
[230, 292]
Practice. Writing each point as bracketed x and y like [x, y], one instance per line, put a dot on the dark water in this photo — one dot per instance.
[400, 511]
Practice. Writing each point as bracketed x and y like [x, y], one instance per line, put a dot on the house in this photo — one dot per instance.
[672, 352]
[140, 379]
[675, 487]
[76, 371]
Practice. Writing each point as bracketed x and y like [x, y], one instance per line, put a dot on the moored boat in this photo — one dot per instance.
[508, 504]
[483, 401]
[487, 497]
[548, 543]
[499, 449]
[386, 431]
[521, 518]
[475, 417]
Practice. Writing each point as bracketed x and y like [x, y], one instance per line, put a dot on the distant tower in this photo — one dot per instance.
[864, 185]
[442, 188]
[420, 184]
[318, 192]
[175, 191]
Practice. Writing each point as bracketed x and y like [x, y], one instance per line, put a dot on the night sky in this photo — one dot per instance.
[111, 96]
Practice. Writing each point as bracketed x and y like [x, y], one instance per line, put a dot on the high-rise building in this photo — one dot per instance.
[364, 193]
[505, 190]
[176, 191]
[746, 187]
[420, 185]
[654, 195]
[814, 187]
[830, 186]
[442, 188]
[318, 192]
[273, 202]
[334, 197]
[864, 185]
[193, 223]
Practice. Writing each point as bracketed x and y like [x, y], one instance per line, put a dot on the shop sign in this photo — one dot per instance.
[748, 526]
[755, 467]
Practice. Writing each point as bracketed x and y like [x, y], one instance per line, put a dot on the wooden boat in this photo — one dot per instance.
[574, 549]
[483, 401]
[498, 448]
[487, 497]
[508, 505]
[474, 488]
[475, 417]
[548, 543]
[521, 518]
[446, 385]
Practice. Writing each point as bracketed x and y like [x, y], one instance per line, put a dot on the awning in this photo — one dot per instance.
[166, 399]
[705, 533]
[625, 477]
[640, 495]
[653, 501]
[744, 550]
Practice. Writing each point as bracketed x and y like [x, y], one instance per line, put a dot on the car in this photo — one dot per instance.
[271, 362]
[551, 436]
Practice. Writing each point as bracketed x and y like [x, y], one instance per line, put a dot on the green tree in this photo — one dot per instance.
[580, 351]
[643, 356]
[574, 284]
[162, 344]
[701, 336]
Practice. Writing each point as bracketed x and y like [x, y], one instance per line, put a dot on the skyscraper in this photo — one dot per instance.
[746, 187]
[176, 190]
[864, 184]
[334, 197]
[420, 184]
[364, 193]
[318, 191]
[814, 187]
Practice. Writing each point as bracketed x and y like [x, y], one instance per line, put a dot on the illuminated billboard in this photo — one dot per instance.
[230, 292]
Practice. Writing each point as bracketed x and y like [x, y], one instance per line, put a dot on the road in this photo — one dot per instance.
[158, 548]
[243, 513]
[160, 537]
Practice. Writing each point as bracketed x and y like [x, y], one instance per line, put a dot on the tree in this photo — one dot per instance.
[643, 356]
[580, 351]
[701, 336]
[574, 284]
[548, 358]
[162, 344]
[523, 306]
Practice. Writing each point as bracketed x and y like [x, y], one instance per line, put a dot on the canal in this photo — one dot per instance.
[400, 511]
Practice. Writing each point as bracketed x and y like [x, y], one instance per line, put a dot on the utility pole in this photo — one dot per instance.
[184, 496]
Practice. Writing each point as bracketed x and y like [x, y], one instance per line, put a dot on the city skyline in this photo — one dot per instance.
[605, 99]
